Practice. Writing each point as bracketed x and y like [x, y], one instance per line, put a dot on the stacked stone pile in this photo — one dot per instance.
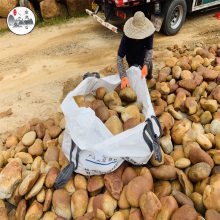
[184, 185]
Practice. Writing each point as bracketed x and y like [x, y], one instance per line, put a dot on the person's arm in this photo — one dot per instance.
[147, 67]
[121, 68]
[149, 50]
[121, 55]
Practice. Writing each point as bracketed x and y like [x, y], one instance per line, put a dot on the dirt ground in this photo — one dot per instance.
[37, 70]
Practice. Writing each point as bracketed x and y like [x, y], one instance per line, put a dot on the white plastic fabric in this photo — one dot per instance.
[102, 152]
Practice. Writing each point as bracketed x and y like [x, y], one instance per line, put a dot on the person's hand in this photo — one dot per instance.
[124, 82]
[144, 71]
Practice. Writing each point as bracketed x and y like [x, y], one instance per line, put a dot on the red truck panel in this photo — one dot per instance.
[121, 3]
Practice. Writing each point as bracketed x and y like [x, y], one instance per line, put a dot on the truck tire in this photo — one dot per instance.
[174, 16]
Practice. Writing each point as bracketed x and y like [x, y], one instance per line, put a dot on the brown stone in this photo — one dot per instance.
[37, 148]
[51, 8]
[50, 216]
[211, 197]
[6, 7]
[123, 202]
[79, 203]
[200, 186]
[170, 62]
[74, 7]
[61, 203]
[69, 186]
[21, 210]
[199, 171]
[36, 165]
[95, 183]
[54, 131]
[145, 172]
[105, 203]
[3, 24]
[40, 130]
[80, 182]
[23, 130]
[182, 199]
[179, 129]
[26, 158]
[34, 121]
[11, 141]
[188, 84]
[46, 139]
[154, 161]
[216, 170]
[178, 153]
[114, 125]
[175, 185]
[63, 161]
[29, 138]
[166, 121]
[41, 196]
[154, 94]
[118, 216]
[37, 187]
[48, 199]
[51, 177]
[162, 188]
[191, 105]
[34, 212]
[198, 203]
[203, 141]
[15, 198]
[209, 105]
[150, 205]
[128, 174]
[113, 182]
[197, 155]
[49, 122]
[135, 214]
[168, 160]
[10, 177]
[135, 188]
[151, 83]
[176, 72]
[164, 172]
[216, 158]
[168, 207]
[182, 163]
[166, 144]
[216, 115]
[52, 154]
[186, 212]
[206, 117]
[180, 100]
[28, 182]
[212, 214]
[185, 182]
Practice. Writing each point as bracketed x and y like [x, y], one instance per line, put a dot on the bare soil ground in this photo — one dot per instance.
[39, 69]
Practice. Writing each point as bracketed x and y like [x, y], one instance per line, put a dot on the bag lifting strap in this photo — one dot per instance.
[154, 141]
[65, 175]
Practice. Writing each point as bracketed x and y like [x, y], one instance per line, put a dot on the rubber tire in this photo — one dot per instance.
[168, 10]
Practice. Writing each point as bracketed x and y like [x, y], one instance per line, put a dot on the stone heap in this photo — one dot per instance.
[48, 8]
[184, 185]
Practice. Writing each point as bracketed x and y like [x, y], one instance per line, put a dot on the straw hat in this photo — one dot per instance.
[138, 27]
